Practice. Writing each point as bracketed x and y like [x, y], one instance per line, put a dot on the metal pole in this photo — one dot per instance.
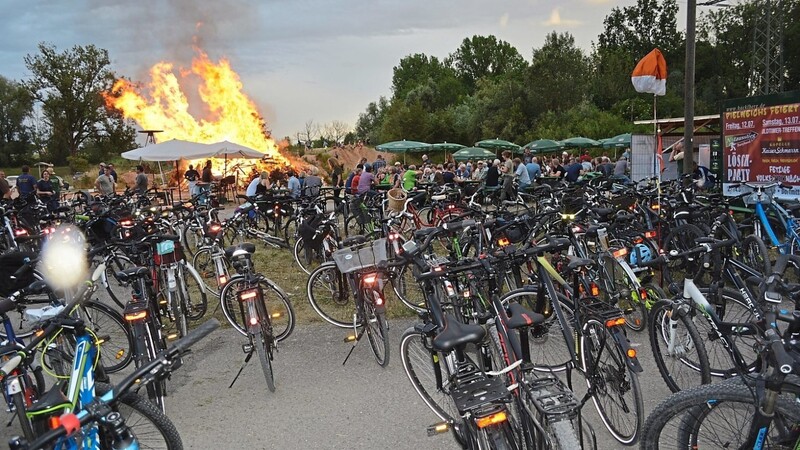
[688, 89]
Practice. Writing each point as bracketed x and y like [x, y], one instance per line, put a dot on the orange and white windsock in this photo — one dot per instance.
[650, 75]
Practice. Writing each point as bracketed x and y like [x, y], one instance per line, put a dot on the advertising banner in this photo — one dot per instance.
[761, 137]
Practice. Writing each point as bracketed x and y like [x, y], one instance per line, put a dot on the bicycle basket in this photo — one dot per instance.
[753, 198]
[365, 256]
[167, 252]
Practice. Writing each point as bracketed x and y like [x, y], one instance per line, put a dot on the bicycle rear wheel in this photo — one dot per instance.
[377, 331]
[276, 305]
[407, 289]
[263, 345]
[624, 285]
[192, 292]
[679, 352]
[423, 367]
[329, 294]
[617, 398]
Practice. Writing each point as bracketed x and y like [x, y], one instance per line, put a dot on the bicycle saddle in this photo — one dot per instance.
[576, 263]
[133, 273]
[456, 333]
[52, 399]
[246, 246]
[36, 288]
[520, 316]
[7, 305]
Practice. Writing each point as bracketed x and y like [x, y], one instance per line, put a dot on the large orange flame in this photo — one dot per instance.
[231, 115]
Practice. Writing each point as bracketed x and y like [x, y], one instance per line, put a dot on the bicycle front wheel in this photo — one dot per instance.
[152, 428]
[116, 348]
[377, 331]
[717, 416]
[407, 289]
[329, 294]
[678, 348]
[617, 398]
[192, 292]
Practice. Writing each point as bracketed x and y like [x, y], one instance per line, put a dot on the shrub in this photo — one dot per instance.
[78, 164]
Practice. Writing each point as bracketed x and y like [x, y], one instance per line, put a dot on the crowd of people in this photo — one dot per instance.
[48, 188]
[509, 173]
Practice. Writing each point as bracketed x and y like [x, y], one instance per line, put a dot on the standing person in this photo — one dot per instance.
[507, 174]
[293, 184]
[140, 186]
[379, 163]
[527, 156]
[204, 185]
[113, 173]
[101, 169]
[26, 183]
[586, 157]
[5, 188]
[104, 184]
[44, 189]
[192, 176]
[337, 171]
[56, 184]
[534, 169]
[313, 183]
[493, 174]
[425, 161]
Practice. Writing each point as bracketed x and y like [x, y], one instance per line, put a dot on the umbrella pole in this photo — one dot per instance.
[658, 170]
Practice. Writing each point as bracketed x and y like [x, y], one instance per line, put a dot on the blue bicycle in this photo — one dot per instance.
[771, 219]
[64, 337]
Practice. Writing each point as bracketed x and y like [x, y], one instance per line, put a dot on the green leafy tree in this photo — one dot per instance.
[369, 123]
[558, 77]
[485, 56]
[69, 85]
[641, 27]
[16, 106]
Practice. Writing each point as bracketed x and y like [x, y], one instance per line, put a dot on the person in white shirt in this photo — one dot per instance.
[258, 186]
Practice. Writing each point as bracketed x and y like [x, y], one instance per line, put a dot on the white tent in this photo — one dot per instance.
[172, 150]
[230, 149]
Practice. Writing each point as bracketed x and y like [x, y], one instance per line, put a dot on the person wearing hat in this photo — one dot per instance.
[258, 186]
[102, 167]
[479, 174]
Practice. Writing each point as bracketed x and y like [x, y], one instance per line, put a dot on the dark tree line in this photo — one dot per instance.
[487, 89]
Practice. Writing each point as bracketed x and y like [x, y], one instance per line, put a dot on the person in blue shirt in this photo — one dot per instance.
[26, 183]
[574, 170]
[534, 169]
[293, 185]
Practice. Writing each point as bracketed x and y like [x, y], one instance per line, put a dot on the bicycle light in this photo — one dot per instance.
[492, 419]
[631, 353]
[620, 253]
[254, 320]
[615, 322]
[139, 315]
[275, 315]
[439, 428]
[247, 295]
[369, 279]
[222, 280]
[650, 234]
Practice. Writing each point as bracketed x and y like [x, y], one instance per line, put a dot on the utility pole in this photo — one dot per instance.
[688, 88]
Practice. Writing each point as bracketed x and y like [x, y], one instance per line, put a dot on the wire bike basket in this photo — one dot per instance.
[765, 198]
[361, 257]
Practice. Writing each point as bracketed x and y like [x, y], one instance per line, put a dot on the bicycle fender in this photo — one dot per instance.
[625, 345]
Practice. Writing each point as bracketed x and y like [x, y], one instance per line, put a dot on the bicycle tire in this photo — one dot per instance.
[718, 357]
[148, 343]
[328, 292]
[377, 331]
[203, 263]
[150, 425]
[597, 341]
[665, 427]
[756, 255]
[497, 437]
[688, 365]
[117, 348]
[420, 364]
[277, 305]
[192, 292]
[618, 281]
[309, 260]
[260, 341]
[407, 289]
[176, 309]
[548, 348]
[116, 289]
[562, 435]
[192, 238]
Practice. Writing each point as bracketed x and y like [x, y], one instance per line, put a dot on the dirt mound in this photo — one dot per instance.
[347, 156]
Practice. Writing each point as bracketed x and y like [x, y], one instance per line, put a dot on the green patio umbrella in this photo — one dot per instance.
[580, 142]
[497, 144]
[543, 146]
[468, 153]
[403, 147]
[447, 146]
[619, 141]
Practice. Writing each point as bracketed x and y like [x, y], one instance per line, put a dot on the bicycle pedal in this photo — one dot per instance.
[350, 338]
[247, 348]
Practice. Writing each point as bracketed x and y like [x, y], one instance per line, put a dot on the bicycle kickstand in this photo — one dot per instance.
[354, 339]
[246, 360]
